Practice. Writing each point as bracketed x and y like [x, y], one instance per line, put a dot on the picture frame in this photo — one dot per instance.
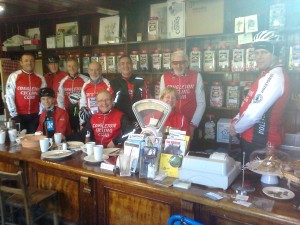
[109, 29]
[70, 28]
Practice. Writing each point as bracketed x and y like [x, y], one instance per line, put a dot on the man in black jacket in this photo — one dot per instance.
[128, 88]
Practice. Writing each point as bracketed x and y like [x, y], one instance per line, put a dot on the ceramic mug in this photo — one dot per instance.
[45, 144]
[89, 150]
[98, 152]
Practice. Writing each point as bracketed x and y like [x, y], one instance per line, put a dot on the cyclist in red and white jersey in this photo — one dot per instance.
[22, 94]
[260, 119]
[69, 92]
[189, 85]
[90, 89]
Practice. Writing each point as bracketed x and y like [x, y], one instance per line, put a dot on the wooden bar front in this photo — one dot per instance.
[87, 195]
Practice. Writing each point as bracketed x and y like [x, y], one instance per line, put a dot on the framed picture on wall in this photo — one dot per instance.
[109, 30]
[70, 28]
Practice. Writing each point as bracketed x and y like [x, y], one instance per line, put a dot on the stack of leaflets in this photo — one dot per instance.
[149, 157]
[174, 150]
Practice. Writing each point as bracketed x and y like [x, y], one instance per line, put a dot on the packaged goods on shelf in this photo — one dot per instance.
[232, 95]
[238, 60]
[103, 62]
[135, 60]
[111, 63]
[195, 59]
[153, 28]
[250, 59]
[156, 60]
[51, 42]
[71, 40]
[223, 131]
[277, 16]
[166, 59]
[209, 63]
[223, 60]
[176, 18]
[294, 56]
[210, 127]
[216, 95]
[144, 61]
[95, 58]
[157, 90]
[85, 62]
[60, 41]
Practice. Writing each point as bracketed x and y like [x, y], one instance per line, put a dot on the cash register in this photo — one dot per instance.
[216, 170]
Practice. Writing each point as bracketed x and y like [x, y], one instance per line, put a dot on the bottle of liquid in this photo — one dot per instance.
[48, 126]
[166, 58]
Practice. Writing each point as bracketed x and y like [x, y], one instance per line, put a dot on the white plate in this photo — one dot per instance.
[74, 144]
[111, 151]
[91, 158]
[56, 154]
[278, 193]
[253, 165]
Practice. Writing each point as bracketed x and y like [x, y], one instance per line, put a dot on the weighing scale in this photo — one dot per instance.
[151, 115]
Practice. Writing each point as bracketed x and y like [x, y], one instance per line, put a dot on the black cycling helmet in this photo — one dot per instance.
[52, 59]
[47, 92]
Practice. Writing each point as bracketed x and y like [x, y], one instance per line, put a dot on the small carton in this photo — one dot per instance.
[223, 131]
[71, 41]
[60, 40]
[176, 18]
[51, 42]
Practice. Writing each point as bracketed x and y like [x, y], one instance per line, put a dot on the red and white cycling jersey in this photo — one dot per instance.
[53, 80]
[261, 114]
[89, 92]
[191, 93]
[68, 86]
[106, 127]
[22, 92]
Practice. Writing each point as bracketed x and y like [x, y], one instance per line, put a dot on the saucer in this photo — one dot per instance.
[91, 158]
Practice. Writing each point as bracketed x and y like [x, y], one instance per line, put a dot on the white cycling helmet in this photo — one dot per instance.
[74, 98]
[269, 40]
[267, 36]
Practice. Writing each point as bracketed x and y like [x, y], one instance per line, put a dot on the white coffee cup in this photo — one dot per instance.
[2, 137]
[12, 133]
[57, 138]
[45, 144]
[89, 148]
[98, 152]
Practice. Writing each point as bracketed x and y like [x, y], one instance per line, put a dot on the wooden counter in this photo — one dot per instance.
[88, 195]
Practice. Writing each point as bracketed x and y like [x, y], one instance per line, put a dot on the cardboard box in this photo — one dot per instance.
[223, 131]
[176, 18]
[204, 17]
[71, 40]
[31, 47]
[51, 42]
[32, 42]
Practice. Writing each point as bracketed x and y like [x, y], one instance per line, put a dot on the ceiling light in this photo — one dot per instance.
[2, 7]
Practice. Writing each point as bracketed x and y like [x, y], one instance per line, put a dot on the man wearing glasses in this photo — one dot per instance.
[189, 85]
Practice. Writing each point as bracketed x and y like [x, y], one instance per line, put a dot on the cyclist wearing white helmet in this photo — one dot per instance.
[260, 119]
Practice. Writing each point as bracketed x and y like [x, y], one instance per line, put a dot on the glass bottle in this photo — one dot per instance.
[111, 63]
[156, 60]
[238, 59]
[209, 63]
[48, 126]
[103, 62]
[232, 95]
[195, 59]
[85, 63]
[95, 57]
[210, 127]
[223, 59]
[216, 95]
[144, 61]
[294, 56]
[166, 59]
[250, 59]
[135, 60]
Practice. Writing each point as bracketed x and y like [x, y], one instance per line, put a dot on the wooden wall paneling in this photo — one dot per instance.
[66, 184]
[119, 202]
